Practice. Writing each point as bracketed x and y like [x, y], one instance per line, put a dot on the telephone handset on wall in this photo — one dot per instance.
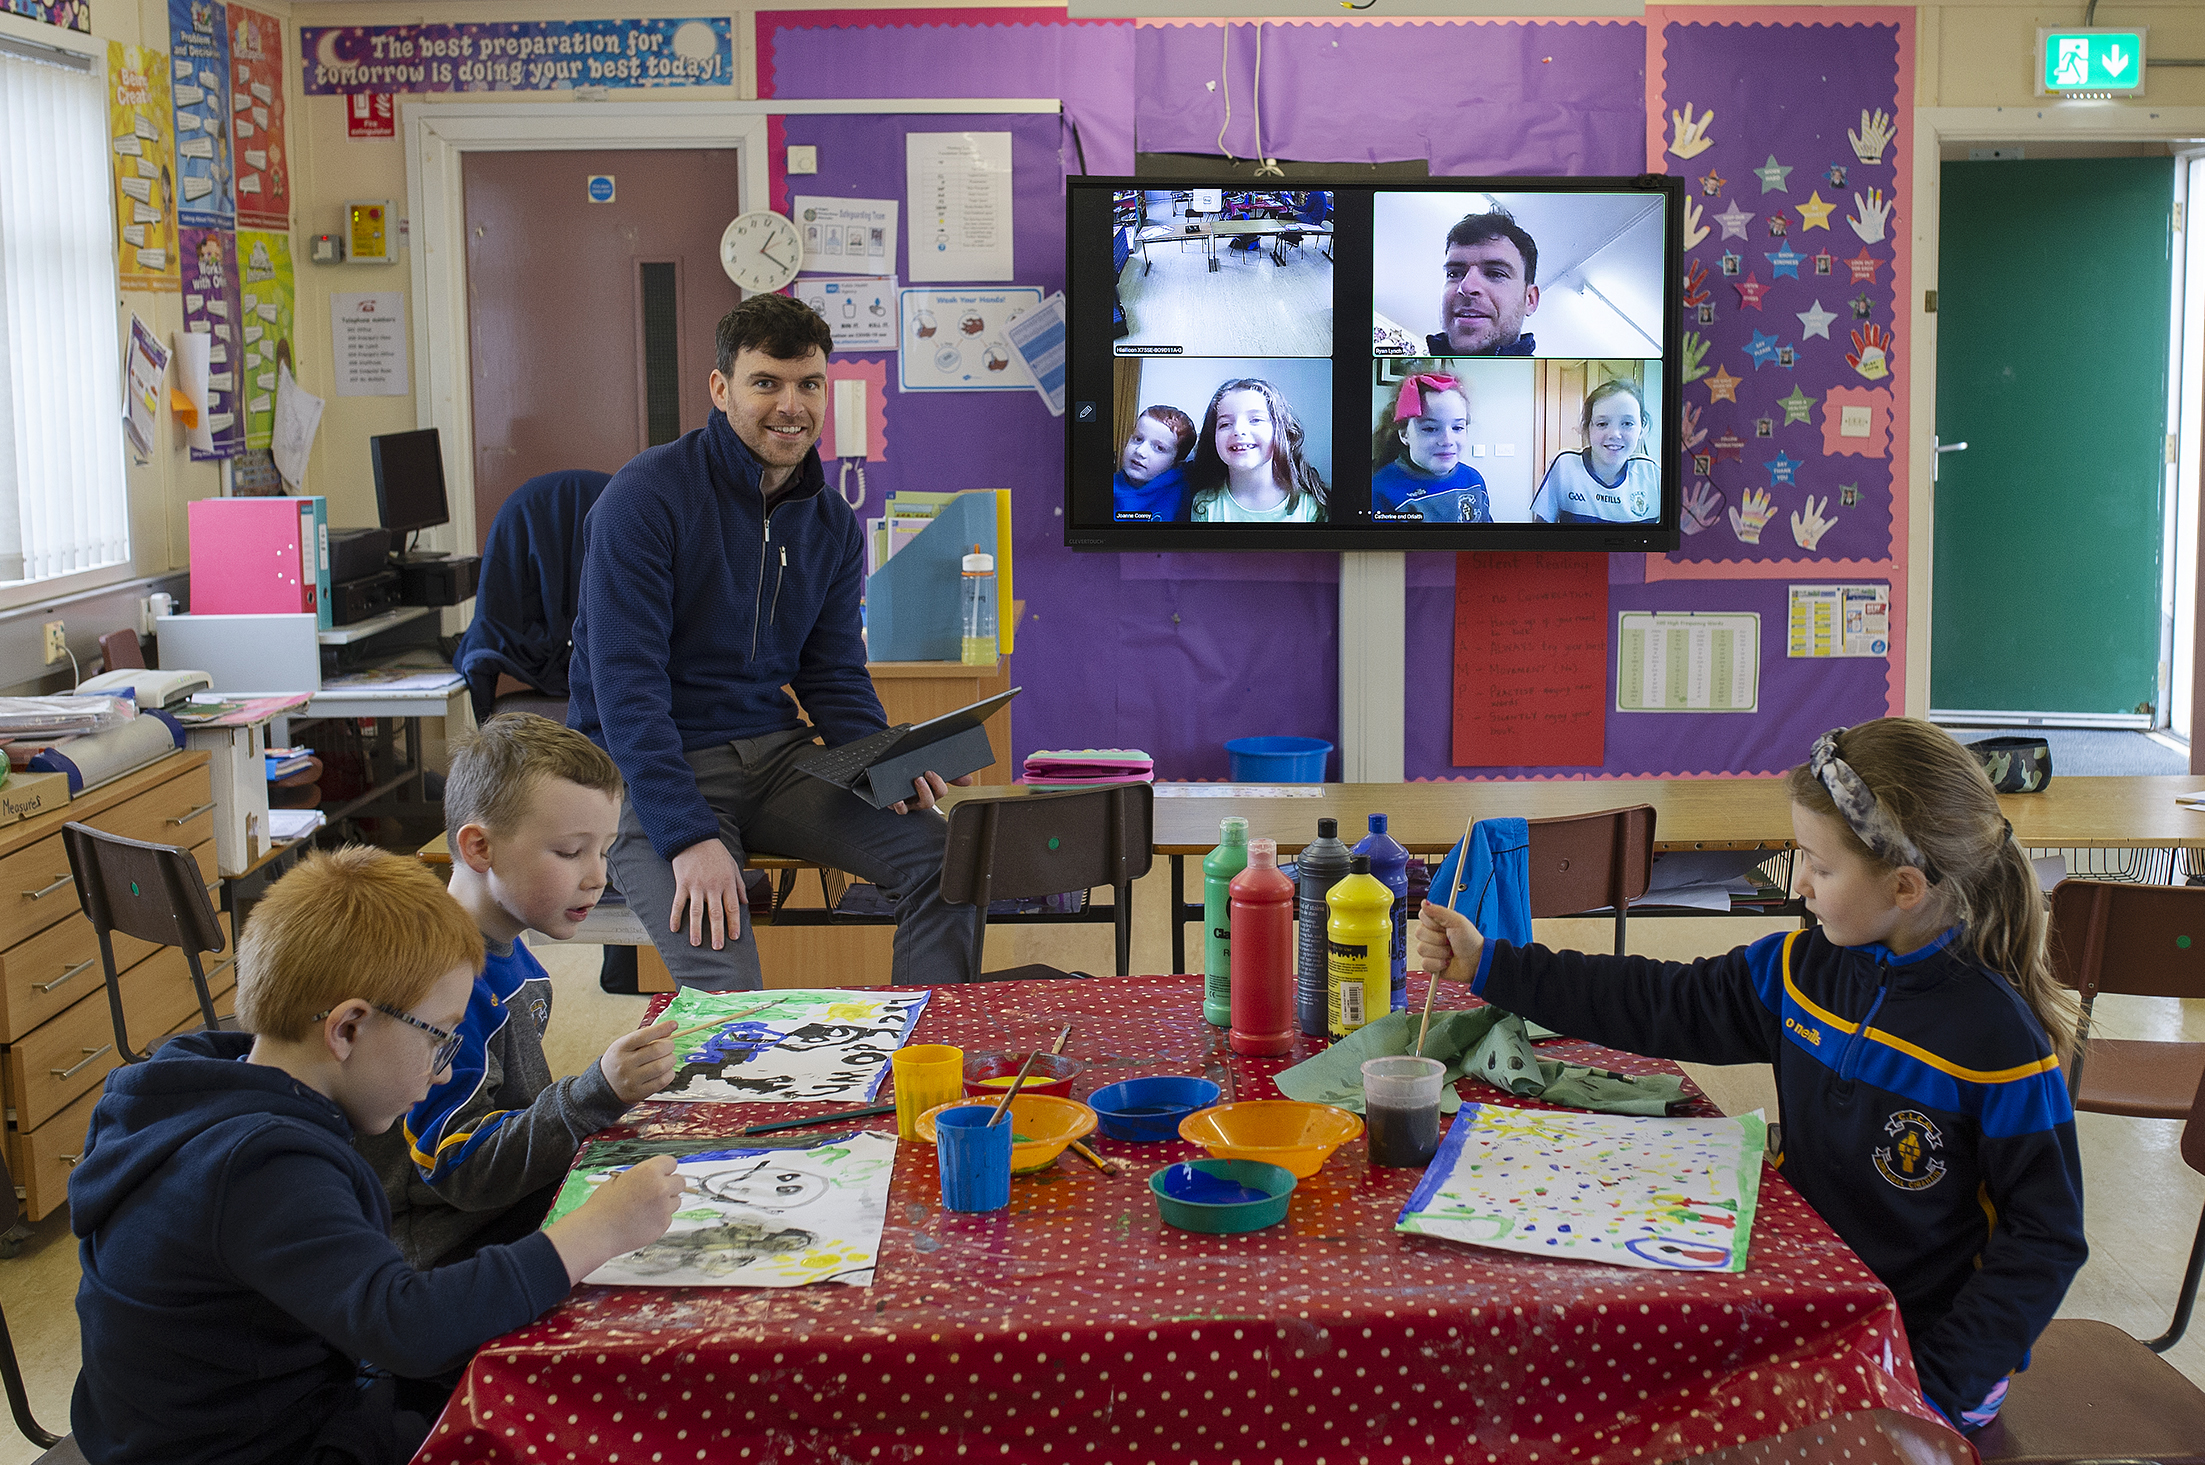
[850, 437]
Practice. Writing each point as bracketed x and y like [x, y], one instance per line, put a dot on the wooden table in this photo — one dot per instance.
[1209, 234]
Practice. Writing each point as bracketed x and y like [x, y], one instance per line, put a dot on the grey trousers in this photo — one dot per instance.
[765, 803]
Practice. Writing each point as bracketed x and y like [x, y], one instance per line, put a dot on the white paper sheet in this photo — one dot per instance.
[959, 188]
[298, 414]
[191, 383]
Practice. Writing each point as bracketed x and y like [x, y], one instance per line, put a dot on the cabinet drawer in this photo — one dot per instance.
[35, 890]
[41, 1159]
[61, 965]
[180, 811]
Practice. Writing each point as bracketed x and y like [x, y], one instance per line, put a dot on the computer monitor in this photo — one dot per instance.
[409, 481]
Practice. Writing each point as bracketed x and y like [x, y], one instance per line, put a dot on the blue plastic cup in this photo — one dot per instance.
[975, 1157]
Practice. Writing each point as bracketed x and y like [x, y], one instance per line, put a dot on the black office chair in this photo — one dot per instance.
[155, 892]
[1020, 846]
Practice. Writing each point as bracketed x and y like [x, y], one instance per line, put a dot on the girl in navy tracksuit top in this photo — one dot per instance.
[1915, 1033]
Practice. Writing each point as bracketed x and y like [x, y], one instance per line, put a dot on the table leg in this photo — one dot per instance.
[1178, 914]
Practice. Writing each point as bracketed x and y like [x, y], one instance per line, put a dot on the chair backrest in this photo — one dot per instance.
[2193, 1136]
[121, 651]
[1586, 861]
[2139, 940]
[155, 892]
[1017, 846]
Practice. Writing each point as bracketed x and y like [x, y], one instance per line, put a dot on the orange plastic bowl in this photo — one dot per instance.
[1296, 1137]
[1042, 1125]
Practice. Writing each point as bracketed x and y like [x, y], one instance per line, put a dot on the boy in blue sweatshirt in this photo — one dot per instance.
[531, 808]
[717, 571]
[240, 1285]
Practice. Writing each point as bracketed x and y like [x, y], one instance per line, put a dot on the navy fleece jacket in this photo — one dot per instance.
[699, 605]
[1925, 1116]
[238, 1267]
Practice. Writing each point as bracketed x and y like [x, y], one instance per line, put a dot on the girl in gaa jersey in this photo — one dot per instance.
[1605, 483]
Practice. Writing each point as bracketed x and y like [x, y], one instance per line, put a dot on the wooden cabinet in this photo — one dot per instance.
[57, 1039]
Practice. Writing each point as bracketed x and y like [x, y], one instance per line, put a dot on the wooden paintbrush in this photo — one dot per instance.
[1431, 979]
[1012, 1093]
[721, 1022]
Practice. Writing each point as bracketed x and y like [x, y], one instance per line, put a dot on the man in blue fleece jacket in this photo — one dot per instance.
[716, 571]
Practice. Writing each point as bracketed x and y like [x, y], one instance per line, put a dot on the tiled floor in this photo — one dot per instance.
[2144, 1202]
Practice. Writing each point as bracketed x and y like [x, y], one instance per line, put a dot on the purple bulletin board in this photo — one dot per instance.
[1177, 653]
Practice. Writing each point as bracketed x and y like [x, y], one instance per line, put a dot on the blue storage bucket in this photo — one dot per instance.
[1278, 760]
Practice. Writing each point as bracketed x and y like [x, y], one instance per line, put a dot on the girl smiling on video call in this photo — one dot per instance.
[1248, 467]
[1606, 483]
[1418, 451]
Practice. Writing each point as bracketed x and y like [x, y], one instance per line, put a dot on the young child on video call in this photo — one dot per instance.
[1248, 467]
[1418, 450]
[238, 1266]
[1149, 481]
[531, 807]
[1916, 1034]
[1605, 483]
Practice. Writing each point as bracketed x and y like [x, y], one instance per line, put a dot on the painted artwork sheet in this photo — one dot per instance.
[763, 1216]
[212, 307]
[255, 100]
[786, 1047]
[267, 296]
[1668, 1194]
[140, 131]
[199, 97]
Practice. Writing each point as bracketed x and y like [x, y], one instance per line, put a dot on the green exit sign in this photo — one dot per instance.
[2096, 62]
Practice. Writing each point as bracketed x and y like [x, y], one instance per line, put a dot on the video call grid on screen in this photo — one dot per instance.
[1249, 307]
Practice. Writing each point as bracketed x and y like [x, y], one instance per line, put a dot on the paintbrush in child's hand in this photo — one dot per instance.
[721, 1022]
[1431, 979]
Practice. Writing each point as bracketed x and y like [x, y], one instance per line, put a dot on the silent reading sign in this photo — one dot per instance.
[517, 56]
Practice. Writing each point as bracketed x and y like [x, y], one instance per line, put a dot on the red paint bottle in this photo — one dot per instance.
[1263, 953]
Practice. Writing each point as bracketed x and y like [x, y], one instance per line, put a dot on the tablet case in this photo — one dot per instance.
[960, 753]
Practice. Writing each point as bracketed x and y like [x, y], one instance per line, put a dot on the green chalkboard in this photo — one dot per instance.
[2052, 330]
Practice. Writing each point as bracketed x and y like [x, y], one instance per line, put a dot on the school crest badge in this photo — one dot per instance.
[1910, 1162]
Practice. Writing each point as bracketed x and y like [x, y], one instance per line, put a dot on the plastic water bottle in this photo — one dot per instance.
[1263, 953]
[977, 608]
[1218, 869]
[1389, 864]
[1357, 933]
[1322, 864]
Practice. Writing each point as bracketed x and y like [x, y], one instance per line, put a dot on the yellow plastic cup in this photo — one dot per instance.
[926, 1074]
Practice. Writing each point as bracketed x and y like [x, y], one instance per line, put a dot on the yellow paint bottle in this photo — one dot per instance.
[1358, 949]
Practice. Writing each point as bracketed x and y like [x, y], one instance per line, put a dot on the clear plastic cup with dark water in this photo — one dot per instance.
[1401, 1105]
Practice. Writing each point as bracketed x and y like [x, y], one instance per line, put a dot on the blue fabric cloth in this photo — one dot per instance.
[1496, 886]
[237, 1267]
[1392, 486]
[1164, 498]
[530, 585]
[699, 604]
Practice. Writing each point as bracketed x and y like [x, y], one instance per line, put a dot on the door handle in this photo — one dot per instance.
[1937, 453]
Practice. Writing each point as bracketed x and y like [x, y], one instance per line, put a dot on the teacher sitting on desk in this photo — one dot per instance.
[716, 571]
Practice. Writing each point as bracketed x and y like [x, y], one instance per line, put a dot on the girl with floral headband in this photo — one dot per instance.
[1418, 453]
[1916, 1034]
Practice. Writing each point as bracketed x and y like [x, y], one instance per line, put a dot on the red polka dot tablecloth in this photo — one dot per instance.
[1077, 1326]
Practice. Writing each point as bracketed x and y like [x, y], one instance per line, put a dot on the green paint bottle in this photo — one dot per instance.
[1219, 867]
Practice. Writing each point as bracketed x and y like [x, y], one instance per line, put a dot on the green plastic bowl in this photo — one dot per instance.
[1198, 1195]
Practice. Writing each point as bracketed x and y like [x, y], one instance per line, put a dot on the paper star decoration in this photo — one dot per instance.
[1864, 266]
[1815, 321]
[1750, 290]
[1784, 262]
[1795, 406]
[1761, 349]
[1778, 224]
[1781, 467]
[1730, 446]
[1722, 386]
[1773, 176]
[1733, 219]
[1836, 175]
[1825, 263]
[1712, 184]
[1848, 493]
[1862, 306]
[1731, 262]
[1814, 213]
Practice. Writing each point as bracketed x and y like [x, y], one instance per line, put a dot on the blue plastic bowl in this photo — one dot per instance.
[1278, 760]
[1147, 1109]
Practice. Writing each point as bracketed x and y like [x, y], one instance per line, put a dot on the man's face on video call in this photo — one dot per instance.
[1486, 299]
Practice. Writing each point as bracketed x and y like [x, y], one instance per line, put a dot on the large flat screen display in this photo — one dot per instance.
[1459, 364]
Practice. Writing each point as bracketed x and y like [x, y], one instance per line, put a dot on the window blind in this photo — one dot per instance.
[63, 504]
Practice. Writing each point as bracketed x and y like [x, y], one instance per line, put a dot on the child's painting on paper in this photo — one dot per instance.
[793, 1046]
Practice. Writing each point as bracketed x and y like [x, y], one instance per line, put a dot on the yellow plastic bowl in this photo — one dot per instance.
[1043, 1124]
[1296, 1137]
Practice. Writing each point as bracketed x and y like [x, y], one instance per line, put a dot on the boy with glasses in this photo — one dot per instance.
[241, 1299]
[531, 807]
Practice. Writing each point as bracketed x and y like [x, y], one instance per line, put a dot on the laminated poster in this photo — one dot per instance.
[1666, 1194]
[787, 1046]
[199, 97]
[1688, 663]
[846, 236]
[255, 101]
[959, 186]
[69, 15]
[141, 133]
[267, 298]
[953, 340]
[146, 369]
[1840, 620]
[763, 1215]
[860, 312]
[212, 308]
